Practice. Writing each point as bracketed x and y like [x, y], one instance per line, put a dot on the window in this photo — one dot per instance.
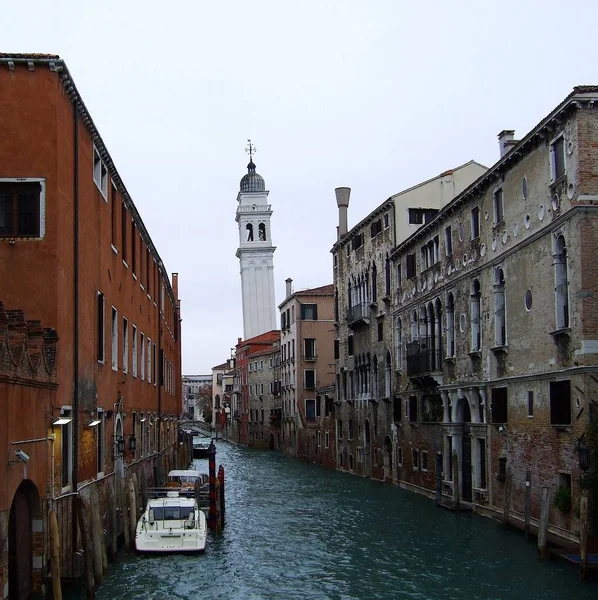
[415, 459]
[387, 277]
[386, 221]
[399, 333]
[561, 284]
[124, 223]
[326, 439]
[149, 360]
[66, 432]
[560, 402]
[335, 260]
[113, 215]
[499, 405]
[557, 159]
[448, 238]
[310, 379]
[416, 217]
[142, 366]
[101, 339]
[350, 429]
[133, 248]
[114, 339]
[375, 228]
[424, 460]
[399, 456]
[476, 330]
[147, 271]
[412, 409]
[498, 206]
[399, 274]
[20, 214]
[125, 345]
[134, 351]
[357, 241]
[337, 349]
[100, 173]
[500, 321]
[396, 409]
[530, 403]
[450, 325]
[380, 330]
[348, 250]
[475, 222]
[262, 232]
[410, 266]
[502, 468]
[310, 409]
[350, 345]
[309, 348]
[101, 443]
[374, 283]
[309, 312]
[339, 429]
[481, 464]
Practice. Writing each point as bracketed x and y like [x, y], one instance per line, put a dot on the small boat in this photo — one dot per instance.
[172, 520]
[201, 446]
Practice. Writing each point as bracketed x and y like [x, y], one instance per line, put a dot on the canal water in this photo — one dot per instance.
[296, 531]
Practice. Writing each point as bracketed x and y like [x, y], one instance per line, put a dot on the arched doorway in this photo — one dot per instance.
[24, 509]
[463, 415]
[271, 441]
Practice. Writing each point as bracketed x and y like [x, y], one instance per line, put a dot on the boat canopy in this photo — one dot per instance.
[186, 475]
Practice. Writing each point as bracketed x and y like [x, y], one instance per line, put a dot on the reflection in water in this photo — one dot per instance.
[296, 531]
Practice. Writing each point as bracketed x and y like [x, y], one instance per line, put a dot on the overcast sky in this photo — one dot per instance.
[376, 95]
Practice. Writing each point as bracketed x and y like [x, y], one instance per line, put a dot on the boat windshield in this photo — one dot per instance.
[172, 513]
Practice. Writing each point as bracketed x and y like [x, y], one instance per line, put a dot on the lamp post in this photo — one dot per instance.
[584, 464]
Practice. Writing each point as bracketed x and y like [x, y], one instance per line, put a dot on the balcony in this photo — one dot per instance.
[358, 315]
[309, 358]
[423, 357]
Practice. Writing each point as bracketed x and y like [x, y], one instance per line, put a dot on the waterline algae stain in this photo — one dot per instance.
[296, 531]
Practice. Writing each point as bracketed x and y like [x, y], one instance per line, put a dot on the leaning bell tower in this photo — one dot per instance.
[255, 253]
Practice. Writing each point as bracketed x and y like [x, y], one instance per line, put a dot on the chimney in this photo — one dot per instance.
[505, 136]
[289, 283]
[342, 201]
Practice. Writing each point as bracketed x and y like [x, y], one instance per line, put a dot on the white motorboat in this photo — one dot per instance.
[201, 446]
[172, 520]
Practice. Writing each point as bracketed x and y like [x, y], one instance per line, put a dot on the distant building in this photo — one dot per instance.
[306, 364]
[197, 392]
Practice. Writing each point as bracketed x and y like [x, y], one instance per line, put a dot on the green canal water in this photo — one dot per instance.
[296, 531]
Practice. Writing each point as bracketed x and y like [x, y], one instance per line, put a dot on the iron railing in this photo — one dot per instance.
[423, 356]
[357, 313]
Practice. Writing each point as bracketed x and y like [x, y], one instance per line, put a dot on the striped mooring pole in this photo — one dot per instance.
[212, 473]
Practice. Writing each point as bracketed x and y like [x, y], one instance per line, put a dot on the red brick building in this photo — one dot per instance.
[240, 425]
[77, 255]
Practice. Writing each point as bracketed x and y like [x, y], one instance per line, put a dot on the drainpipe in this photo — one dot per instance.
[160, 361]
[74, 475]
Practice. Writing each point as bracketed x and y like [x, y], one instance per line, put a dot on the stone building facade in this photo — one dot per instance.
[306, 364]
[496, 323]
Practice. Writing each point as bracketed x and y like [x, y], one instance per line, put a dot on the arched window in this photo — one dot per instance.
[500, 317]
[561, 278]
[262, 232]
[476, 330]
[414, 326]
[349, 299]
[450, 325]
[374, 283]
[336, 306]
[249, 228]
[438, 334]
[387, 376]
[387, 278]
[375, 377]
[399, 342]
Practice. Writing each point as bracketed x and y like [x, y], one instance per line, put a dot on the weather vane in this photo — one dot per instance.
[251, 150]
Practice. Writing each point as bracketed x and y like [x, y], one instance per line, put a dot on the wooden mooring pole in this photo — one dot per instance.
[87, 546]
[456, 484]
[508, 486]
[222, 502]
[55, 555]
[528, 502]
[213, 516]
[544, 518]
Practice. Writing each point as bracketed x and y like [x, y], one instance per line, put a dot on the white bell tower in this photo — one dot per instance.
[255, 253]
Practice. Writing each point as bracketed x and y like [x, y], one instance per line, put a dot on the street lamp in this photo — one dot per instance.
[120, 446]
[132, 443]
